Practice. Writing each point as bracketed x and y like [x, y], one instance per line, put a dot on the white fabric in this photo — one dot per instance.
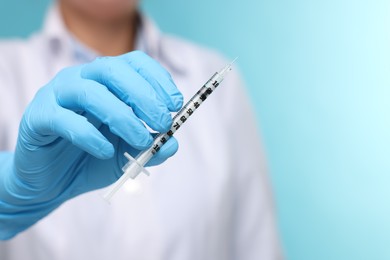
[210, 201]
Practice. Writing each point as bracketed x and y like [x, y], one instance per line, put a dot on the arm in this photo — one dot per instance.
[73, 134]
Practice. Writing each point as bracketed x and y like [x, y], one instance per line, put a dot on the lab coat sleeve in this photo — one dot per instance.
[4, 109]
[255, 234]
[10, 109]
[11, 95]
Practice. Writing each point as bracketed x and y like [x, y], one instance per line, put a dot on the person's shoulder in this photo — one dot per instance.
[15, 51]
[10, 50]
[10, 47]
[185, 53]
[198, 60]
[16, 44]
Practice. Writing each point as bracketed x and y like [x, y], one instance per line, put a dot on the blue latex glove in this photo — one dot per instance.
[73, 134]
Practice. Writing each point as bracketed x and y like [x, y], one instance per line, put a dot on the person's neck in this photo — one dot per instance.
[107, 38]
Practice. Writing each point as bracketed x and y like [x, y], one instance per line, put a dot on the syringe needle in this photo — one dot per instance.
[227, 68]
[231, 63]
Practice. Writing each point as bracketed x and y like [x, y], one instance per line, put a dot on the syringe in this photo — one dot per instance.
[136, 165]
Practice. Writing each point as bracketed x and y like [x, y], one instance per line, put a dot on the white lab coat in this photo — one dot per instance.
[210, 201]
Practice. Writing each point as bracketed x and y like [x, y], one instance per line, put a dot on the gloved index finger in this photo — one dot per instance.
[158, 77]
[130, 87]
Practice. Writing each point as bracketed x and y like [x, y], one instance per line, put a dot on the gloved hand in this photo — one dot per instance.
[73, 134]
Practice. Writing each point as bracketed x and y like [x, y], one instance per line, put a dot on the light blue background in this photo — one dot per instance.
[318, 75]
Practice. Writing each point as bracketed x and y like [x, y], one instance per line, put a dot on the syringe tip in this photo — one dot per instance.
[227, 67]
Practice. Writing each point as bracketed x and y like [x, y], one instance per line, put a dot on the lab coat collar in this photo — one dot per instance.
[55, 31]
[149, 39]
